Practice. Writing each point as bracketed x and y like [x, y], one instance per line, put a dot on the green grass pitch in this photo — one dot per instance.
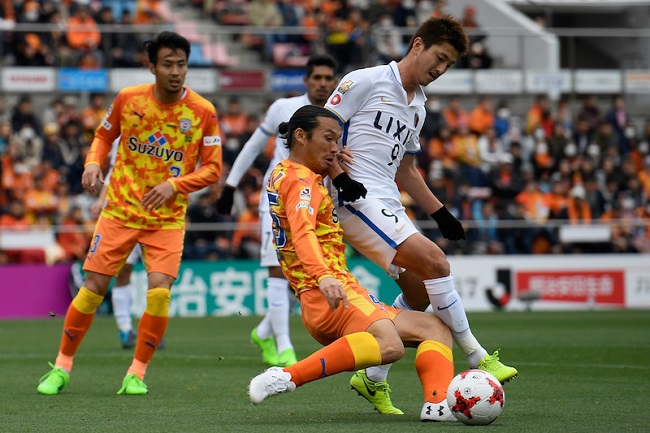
[578, 372]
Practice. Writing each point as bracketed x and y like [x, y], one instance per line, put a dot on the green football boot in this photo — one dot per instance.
[53, 381]
[267, 346]
[496, 368]
[377, 393]
[287, 358]
[133, 385]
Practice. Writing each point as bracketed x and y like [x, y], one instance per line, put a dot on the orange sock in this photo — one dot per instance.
[151, 330]
[349, 353]
[77, 321]
[435, 367]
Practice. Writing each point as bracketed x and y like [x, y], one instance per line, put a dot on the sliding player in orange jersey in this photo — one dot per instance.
[166, 130]
[357, 329]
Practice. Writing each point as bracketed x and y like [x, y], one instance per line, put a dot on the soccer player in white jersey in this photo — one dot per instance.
[272, 334]
[382, 110]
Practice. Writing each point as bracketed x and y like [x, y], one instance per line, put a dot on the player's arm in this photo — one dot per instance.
[106, 133]
[411, 180]
[301, 215]
[211, 160]
[243, 162]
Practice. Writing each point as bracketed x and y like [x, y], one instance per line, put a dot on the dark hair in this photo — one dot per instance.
[305, 118]
[320, 60]
[166, 39]
[435, 31]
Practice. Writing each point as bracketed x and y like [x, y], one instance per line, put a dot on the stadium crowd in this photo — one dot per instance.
[508, 176]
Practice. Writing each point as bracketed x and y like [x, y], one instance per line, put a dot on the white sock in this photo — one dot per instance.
[278, 297]
[400, 303]
[448, 306]
[378, 373]
[264, 329]
[121, 300]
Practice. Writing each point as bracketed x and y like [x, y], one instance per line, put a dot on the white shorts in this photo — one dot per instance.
[268, 254]
[375, 227]
[136, 254]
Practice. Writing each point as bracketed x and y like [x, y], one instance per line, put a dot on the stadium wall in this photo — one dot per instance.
[486, 283]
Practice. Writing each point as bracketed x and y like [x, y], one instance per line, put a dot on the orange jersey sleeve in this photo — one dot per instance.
[306, 231]
[157, 143]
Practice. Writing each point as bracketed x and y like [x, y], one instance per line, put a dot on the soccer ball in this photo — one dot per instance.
[475, 397]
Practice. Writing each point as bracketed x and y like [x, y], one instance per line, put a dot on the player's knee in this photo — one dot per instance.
[392, 349]
[435, 266]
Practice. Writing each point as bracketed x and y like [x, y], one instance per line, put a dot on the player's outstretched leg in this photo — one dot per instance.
[496, 368]
[272, 382]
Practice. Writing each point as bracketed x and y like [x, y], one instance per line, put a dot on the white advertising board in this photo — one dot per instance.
[454, 82]
[597, 81]
[498, 81]
[28, 79]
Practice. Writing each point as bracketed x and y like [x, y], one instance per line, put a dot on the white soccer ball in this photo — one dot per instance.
[475, 397]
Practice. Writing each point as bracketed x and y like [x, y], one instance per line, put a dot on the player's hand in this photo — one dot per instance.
[158, 196]
[225, 200]
[334, 292]
[96, 208]
[345, 158]
[92, 178]
[450, 227]
[348, 188]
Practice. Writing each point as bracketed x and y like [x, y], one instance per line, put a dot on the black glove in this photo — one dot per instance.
[224, 202]
[348, 188]
[450, 227]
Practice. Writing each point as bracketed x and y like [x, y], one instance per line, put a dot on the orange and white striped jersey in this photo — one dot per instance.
[307, 235]
[158, 142]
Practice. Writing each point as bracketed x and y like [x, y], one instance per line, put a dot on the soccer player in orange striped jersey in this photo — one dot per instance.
[357, 330]
[166, 131]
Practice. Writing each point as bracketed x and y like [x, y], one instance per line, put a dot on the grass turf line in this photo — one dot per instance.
[578, 372]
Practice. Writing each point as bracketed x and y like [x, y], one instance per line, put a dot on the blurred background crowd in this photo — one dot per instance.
[515, 176]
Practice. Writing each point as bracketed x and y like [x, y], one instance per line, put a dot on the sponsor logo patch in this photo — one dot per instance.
[345, 86]
[212, 140]
[185, 125]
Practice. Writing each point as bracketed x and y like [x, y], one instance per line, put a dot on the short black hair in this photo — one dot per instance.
[437, 30]
[166, 39]
[305, 118]
[320, 60]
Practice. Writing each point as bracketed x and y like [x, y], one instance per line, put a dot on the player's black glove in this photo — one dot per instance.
[450, 227]
[348, 188]
[224, 202]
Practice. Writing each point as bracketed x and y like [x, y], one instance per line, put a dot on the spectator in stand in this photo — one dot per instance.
[55, 39]
[93, 114]
[558, 140]
[564, 115]
[538, 115]
[361, 43]
[39, 200]
[75, 235]
[590, 113]
[534, 203]
[206, 244]
[16, 221]
[128, 51]
[490, 150]
[234, 121]
[434, 119]
[502, 119]
[247, 237]
[264, 13]
[455, 116]
[556, 199]
[482, 116]
[83, 35]
[606, 138]
[478, 56]
[443, 148]
[469, 157]
[387, 38]
[23, 115]
[618, 117]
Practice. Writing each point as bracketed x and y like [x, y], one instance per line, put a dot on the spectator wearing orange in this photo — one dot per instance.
[534, 202]
[577, 208]
[16, 220]
[39, 200]
[247, 237]
[93, 114]
[443, 148]
[556, 199]
[455, 116]
[538, 115]
[644, 177]
[469, 157]
[83, 34]
[482, 116]
[234, 121]
[75, 235]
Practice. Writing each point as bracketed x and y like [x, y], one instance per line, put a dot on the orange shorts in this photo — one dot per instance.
[112, 243]
[327, 326]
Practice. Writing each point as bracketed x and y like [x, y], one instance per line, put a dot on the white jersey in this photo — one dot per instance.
[280, 111]
[380, 126]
